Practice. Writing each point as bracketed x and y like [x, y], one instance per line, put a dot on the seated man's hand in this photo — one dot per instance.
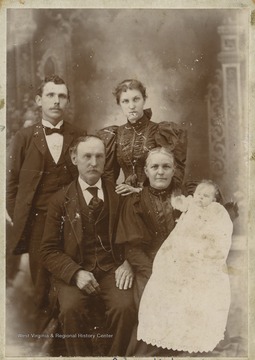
[124, 276]
[86, 281]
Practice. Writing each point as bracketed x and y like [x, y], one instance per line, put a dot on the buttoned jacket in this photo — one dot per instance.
[62, 245]
[25, 167]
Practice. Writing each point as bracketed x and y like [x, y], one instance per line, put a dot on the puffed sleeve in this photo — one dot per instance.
[112, 168]
[131, 227]
[133, 232]
[172, 136]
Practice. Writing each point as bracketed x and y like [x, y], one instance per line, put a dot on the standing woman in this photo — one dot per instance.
[127, 146]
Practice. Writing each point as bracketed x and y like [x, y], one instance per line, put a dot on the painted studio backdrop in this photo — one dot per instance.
[193, 64]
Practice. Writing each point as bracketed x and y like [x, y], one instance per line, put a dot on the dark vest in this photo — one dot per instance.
[96, 243]
[55, 176]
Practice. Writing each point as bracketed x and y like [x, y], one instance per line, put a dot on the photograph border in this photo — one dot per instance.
[136, 4]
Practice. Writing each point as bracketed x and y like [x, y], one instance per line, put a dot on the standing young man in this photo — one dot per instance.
[39, 164]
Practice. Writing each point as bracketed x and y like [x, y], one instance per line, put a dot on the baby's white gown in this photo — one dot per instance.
[186, 302]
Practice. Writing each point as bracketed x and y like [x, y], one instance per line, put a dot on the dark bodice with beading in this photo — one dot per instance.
[127, 147]
[146, 219]
[133, 143]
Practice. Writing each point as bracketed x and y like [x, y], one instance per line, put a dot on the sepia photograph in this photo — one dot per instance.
[126, 149]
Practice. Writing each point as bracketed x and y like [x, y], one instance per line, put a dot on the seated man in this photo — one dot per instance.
[78, 250]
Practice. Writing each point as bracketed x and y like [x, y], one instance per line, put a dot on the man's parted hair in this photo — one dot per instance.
[81, 139]
[56, 80]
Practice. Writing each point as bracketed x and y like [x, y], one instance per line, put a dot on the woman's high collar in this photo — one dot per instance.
[160, 192]
[139, 124]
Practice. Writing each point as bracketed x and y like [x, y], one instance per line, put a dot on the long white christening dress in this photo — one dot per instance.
[186, 301]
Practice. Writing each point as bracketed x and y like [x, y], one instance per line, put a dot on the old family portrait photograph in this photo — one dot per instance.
[127, 182]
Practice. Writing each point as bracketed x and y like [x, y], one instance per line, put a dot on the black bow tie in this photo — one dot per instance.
[49, 131]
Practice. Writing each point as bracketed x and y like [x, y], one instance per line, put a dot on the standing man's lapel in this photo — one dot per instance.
[39, 138]
[68, 137]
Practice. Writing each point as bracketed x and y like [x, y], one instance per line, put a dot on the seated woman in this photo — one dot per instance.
[127, 146]
[190, 276]
[146, 219]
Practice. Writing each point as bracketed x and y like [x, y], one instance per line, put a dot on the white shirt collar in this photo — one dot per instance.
[49, 125]
[87, 195]
[84, 185]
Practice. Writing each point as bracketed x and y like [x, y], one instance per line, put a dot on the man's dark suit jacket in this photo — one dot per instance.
[25, 165]
[61, 248]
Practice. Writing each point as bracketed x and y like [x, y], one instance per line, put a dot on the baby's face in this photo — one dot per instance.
[204, 195]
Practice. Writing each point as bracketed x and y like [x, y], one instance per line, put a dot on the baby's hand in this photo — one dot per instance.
[180, 202]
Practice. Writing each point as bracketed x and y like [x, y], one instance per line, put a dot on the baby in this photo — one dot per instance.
[189, 285]
[205, 193]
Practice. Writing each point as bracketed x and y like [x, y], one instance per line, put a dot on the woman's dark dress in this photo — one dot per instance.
[127, 147]
[146, 219]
